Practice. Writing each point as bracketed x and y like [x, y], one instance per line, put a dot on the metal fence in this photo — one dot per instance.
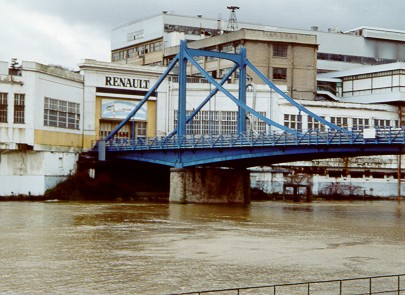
[387, 284]
[309, 137]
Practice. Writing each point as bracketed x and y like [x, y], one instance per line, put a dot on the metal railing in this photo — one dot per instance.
[385, 284]
[309, 137]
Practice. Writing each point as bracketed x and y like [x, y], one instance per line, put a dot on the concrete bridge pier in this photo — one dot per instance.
[209, 185]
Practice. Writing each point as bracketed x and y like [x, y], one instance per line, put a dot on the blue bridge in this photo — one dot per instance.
[182, 151]
[248, 150]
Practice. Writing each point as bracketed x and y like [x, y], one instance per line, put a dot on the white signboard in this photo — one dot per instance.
[120, 109]
[369, 133]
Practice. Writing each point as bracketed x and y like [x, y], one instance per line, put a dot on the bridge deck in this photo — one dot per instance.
[248, 150]
[310, 137]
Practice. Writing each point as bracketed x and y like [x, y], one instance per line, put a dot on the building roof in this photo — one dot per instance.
[378, 33]
[363, 70]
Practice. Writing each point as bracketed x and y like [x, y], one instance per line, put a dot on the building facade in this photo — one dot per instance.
[111, 92]
[49, 115]
[284, 57]
[41, 131]
[146, 40]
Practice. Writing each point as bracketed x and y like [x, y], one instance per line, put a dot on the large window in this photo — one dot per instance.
[19, 108]
[228, 48]
[212, 122]
[220, 122]
[360, 123]
[280, 50]
[141, 128]
[291, 121]
[130, 130]
[315, 124]
[340, 121]
[61, 113]
[3, 107]
[380, 123]
[279, 73]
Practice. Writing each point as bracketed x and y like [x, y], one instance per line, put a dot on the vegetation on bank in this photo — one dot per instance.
[81, 187]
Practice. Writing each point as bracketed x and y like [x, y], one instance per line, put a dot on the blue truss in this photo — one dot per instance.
[241, 150]
[240, 63]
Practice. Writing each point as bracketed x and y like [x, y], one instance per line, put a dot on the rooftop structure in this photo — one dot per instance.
[144, 41]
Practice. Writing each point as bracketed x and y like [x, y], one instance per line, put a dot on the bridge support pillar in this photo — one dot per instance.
[209, 185]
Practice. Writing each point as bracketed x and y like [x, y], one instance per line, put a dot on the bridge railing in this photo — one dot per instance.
[276, 138]
[388, 284]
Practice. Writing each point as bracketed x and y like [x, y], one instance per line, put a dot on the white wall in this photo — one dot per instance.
[152, 28]
[33, 172]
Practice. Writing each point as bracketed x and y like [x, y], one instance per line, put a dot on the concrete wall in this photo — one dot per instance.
[33, 172]
[209, 185]
[374, 176]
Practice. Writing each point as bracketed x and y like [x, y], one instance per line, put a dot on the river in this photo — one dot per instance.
[160, 248]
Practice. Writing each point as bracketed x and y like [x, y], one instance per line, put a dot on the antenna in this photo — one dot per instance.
[233, 22]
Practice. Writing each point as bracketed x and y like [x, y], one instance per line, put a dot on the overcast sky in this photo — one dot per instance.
[64, 32]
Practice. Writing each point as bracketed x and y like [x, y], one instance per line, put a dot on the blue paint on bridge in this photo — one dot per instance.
[243, 149]
[255, 149]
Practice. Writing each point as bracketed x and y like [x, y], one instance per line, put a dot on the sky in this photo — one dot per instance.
[65, 32]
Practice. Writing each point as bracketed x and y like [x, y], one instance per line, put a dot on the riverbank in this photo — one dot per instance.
[110, 188]
[73, 191]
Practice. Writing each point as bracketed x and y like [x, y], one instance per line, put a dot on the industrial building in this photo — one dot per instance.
[48, 115]
[41, 127]
[146, 40]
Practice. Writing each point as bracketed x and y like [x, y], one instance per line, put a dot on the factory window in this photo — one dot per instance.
[211, 122]
[115, 56]
[280, 50]
[396, 123]
[3, 107]
[140, 129]
[229, 48]
[279, 73]
[130, 130]
[380, 123]
[291, 121]
[157, 46]
[340, 121]
[315, 124]
[61, 113]
[135, 35]
[19, 108]
[360, 123]
[229, 122]
[237, 48]
[354, 59]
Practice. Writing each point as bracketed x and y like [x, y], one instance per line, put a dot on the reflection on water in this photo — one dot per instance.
[147, 248]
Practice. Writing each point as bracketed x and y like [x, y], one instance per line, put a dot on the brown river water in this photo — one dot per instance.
[159, 248]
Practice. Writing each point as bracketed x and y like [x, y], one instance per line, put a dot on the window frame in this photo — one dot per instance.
[279, 74]
[61, 114]
[19, 108]
[3, 107]
[280, 50]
